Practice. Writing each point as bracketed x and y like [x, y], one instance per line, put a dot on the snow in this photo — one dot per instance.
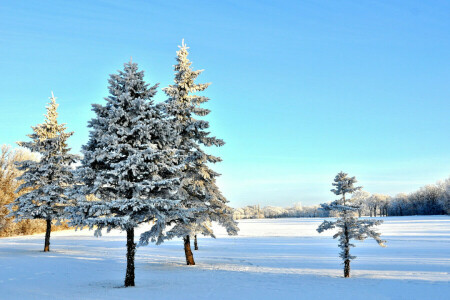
[270, 259]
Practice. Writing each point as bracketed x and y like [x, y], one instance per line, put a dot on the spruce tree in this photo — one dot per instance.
[349, 227]
[45, 181]
[198, 188]
[129, 170]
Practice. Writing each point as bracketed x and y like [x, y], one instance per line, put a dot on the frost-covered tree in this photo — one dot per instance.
[379, 201]
[428, 200]
[198, 189]
[47, 179]
[360, 198]
[444, 198]
[383, 206]
[129, 170]
[349, 227]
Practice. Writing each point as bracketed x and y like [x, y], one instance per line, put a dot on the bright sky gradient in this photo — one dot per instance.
[301, 89]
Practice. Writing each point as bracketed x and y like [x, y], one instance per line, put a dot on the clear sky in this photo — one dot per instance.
[301, 89]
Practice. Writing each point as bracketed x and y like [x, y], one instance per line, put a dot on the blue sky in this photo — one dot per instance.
[300, 89]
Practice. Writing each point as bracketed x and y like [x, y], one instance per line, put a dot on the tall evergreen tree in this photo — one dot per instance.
[129, 170]
[49, 177]
[198, 188]
[349, 227]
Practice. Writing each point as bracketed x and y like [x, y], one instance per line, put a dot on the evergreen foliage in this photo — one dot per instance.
[198, 190]
[130, 172]
[349, 227]
[45, 181]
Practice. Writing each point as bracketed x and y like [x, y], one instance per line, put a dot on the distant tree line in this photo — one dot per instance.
[428, 200]
[431, 199]
[296, 211]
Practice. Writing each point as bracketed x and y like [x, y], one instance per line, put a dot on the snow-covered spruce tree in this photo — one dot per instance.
[349, 227]
[129, 172]
[198, 189]
[46, 180]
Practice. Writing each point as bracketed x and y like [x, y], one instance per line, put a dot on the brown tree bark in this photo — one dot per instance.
[187, 251]
[195, 243]
[47, 236]
[347, 268]
[131, 250]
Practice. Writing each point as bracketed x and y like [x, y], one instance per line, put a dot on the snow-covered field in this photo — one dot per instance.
[270, 259]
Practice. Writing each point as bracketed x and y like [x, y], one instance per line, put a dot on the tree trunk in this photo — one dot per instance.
[347, 253]
[195, 243]
[47, 236]
[131, 250]
[187, 251]
[347, 268]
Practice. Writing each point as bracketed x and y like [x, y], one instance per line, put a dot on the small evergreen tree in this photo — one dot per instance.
[198, 188]
[49, 177]
[129, 172]
[349, 227]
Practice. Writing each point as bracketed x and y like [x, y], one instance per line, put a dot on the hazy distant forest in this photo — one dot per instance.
[429, 200]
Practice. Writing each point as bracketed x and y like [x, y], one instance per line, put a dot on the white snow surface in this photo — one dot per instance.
[270, 259]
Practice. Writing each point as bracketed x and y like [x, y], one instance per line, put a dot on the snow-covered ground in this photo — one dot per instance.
[270, 259]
